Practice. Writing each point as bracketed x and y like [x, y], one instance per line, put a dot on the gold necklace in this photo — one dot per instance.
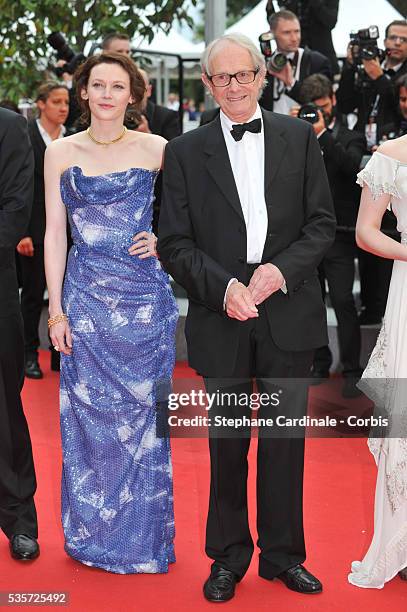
[107, 142]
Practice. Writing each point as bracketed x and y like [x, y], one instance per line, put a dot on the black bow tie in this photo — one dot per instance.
[239, 129]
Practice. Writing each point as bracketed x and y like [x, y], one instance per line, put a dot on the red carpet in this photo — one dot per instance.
[339, 488]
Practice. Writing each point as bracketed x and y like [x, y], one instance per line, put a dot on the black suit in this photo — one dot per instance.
[202, 244]
[343, 150]
[32, 268]
[312, 62]
[17, 476]
[162, 121]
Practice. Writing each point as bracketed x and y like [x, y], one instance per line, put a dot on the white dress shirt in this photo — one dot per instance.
[45, 136]
[247, 160]
[284, 103]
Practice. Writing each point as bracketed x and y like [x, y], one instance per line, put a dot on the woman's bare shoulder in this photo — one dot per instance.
[62, 150]
[150, 141]
[395, 148]
[152, 145]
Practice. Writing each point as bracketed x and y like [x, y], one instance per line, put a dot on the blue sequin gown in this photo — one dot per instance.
[117, 503]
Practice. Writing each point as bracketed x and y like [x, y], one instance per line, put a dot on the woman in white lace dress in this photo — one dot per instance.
[384, 182]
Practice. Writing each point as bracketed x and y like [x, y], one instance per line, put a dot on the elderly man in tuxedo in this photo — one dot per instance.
[246, 218]
[18, 518]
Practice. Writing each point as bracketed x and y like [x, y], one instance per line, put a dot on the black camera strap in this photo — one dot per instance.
[280, 87]
[371, 126]
[335, 129]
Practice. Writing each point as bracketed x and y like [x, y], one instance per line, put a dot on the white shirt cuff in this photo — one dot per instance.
[320, 134]
[232, 280]
[283, 288]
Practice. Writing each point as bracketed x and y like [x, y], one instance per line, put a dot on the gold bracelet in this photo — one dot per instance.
[57, 319]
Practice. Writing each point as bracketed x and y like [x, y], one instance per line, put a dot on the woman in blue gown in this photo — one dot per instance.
[113, 319]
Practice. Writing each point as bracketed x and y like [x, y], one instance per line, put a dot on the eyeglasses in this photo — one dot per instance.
[394, 38]
[243, 77]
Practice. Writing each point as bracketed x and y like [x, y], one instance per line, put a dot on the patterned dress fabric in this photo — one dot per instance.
[117, 502]
[385, 382]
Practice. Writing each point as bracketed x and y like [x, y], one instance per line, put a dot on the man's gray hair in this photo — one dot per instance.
[237, 39]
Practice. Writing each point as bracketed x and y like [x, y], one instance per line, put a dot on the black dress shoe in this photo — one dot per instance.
[23, 547]
[298, 579]
[32, 369]
[220, 585]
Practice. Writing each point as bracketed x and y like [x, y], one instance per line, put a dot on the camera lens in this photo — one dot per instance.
[277, 61]
[309, 113]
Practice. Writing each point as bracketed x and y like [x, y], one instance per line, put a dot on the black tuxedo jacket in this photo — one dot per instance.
[343, 151]
[36, 227]
[312, 62]
[162, 121]
[202, 236]
[16, 183]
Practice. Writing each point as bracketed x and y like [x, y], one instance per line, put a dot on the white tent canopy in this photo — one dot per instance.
[173, 42]
[355, 15]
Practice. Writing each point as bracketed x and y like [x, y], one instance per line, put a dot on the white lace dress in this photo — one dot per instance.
[385, 382]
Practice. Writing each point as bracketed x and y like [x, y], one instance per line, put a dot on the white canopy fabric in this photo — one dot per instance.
[172, 42]
[356, 14]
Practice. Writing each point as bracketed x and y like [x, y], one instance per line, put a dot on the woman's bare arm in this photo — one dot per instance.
[55, 242]
[368, 233]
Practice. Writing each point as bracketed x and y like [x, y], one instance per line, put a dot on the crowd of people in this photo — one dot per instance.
[257, 217]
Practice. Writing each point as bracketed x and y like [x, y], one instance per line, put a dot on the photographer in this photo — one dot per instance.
[68, 61]
[283, 87]
[317, 19]
[368, 85]
[399, 127]
[342, 151]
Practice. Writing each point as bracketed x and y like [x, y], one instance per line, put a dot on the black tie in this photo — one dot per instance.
[239, 129]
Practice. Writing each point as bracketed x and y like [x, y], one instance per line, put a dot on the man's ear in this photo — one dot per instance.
[207, 83]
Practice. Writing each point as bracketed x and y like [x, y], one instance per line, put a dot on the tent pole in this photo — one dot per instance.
[215, 24]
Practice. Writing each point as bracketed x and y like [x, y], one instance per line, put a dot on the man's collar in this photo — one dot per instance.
[395, 68]
[291, 54]
[228, 123]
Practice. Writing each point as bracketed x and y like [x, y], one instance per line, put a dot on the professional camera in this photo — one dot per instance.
[363, 44]
[309, 112]
[275, 60]
[64, 52]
